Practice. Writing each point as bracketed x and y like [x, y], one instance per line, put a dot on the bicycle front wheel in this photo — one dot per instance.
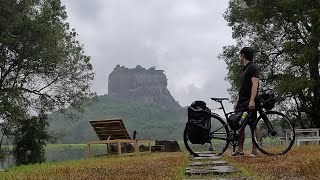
[218, 143]
[277, 142]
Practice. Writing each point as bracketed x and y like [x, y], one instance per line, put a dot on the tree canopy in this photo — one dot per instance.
[42, 65]
[285, 35]
[43, 68]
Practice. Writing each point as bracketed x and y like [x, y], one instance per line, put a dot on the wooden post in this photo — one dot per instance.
[109, 148]
[149, 146]
[136, 148]
[88, 150]
[125, 147]
[119, 148]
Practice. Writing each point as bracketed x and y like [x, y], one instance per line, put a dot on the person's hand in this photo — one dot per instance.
[252, 104]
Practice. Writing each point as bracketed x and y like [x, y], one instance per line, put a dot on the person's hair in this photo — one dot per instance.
[247, 52]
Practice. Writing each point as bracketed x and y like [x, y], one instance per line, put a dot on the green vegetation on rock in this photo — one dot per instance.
[147, 119]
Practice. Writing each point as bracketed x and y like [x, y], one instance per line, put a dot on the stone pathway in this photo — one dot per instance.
[210, 164]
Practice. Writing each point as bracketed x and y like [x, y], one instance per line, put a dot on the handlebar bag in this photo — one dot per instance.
[267, 100]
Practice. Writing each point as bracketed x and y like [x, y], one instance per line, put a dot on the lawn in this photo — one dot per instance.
[148, 166]
[300, 163]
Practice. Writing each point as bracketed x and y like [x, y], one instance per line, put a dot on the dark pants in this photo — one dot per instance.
[253, 114]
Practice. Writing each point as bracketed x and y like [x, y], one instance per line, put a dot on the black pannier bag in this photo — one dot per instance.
[199, 123]
[234, 119]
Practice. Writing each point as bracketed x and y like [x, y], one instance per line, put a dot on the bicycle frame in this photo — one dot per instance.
[244, 124]
[223, 129]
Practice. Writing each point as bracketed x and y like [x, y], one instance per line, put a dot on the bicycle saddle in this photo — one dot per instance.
[219, 99]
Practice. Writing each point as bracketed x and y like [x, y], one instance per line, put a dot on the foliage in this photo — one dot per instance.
[29, 138]
[42, 64]
[285, 35]
[43, 67]
[149, 120]
[167, 166]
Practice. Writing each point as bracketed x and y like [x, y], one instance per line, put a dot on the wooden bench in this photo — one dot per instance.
[304, 135]
[283, 140]
[306, 139]
[113, 131]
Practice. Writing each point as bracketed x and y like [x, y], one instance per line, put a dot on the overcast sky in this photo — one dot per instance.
[181, 37]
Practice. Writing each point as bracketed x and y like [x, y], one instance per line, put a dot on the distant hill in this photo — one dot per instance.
[149, 85]
[140, 97]
[150, 121]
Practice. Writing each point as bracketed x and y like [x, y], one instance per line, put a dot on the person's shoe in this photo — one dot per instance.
[237, 154]
[253, 154]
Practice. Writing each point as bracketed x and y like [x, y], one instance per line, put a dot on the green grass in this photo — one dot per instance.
[70, 146]
[301, 162]
[148, 166]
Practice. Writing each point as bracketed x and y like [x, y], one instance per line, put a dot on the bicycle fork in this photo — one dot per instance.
[270, 127]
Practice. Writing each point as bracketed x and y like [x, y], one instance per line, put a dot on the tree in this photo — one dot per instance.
[286, 36]
[43, 67]
[30, 136]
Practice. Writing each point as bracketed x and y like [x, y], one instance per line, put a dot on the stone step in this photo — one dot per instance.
[225, 169]
[206, 158]
[243, 178]
[204, 152]
[206, 155]
[207, 163]
[215, 170]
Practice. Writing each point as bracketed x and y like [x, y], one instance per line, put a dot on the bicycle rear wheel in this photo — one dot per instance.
[278, 142]
[218, 142]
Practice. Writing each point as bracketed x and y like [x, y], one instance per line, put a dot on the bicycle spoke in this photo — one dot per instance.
[218, 129]
[275, 142]
[225, 139]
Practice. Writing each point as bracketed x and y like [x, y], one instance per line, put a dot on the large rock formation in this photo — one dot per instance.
[149, 85]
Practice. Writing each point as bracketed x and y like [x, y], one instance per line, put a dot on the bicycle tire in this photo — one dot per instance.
[273, 144]
[218, 148]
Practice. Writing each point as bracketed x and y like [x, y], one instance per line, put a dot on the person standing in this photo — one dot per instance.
[248, 91]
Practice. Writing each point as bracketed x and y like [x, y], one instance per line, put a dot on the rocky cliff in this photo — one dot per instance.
[149, 85]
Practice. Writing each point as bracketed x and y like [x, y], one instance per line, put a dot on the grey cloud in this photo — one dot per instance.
[182, 37]
[84, 10]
